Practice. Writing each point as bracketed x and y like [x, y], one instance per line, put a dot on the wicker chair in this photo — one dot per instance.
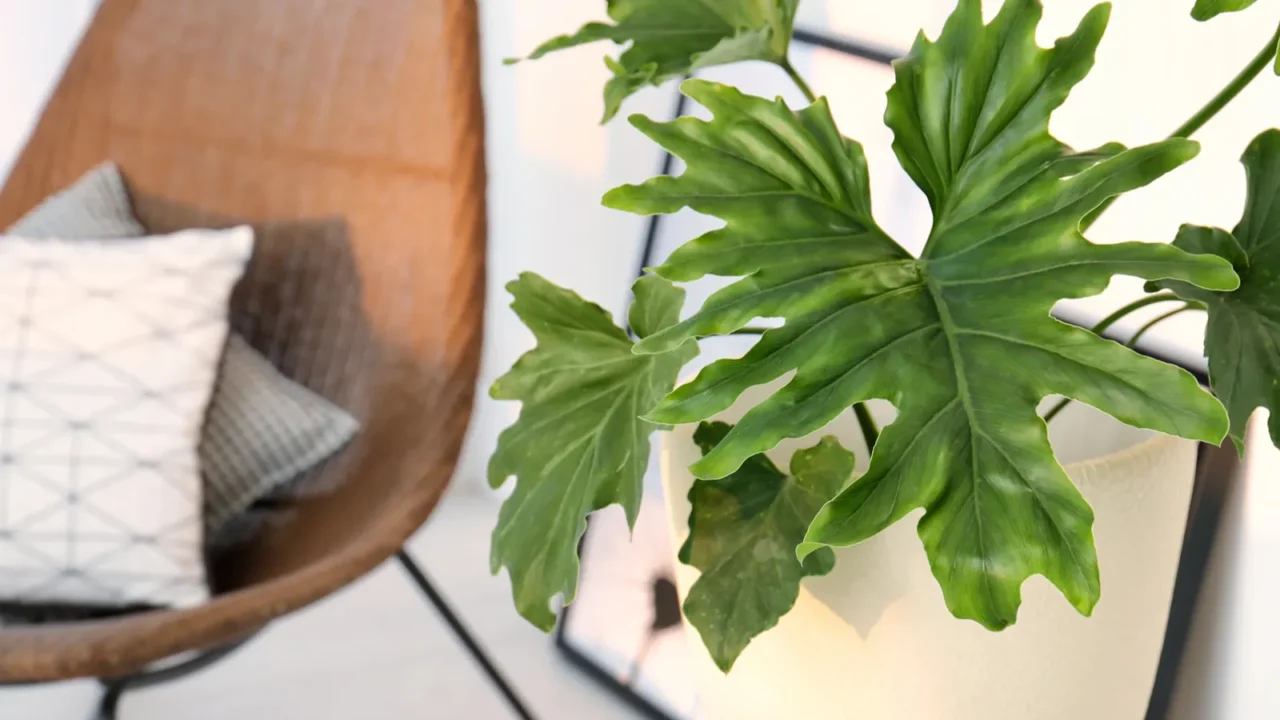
[350, 133]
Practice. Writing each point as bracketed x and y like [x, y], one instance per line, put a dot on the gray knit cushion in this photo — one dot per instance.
[263, 429]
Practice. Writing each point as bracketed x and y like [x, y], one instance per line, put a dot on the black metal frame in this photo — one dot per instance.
[1215, 472]
[114, 688]
[464, 635]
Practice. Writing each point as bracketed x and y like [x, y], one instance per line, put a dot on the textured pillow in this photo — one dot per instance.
[263, 429]
[108, 356]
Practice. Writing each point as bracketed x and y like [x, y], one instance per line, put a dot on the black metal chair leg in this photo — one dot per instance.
[110, 702]
[463, 634]
[113, 688]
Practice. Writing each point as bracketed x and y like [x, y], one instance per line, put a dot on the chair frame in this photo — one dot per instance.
[115, 688]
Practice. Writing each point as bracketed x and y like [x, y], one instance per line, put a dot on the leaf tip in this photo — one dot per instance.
[711, 467]
[808, 547]
[724, 659]
[617, 198]
[1182, 149]
[693, 87]
[655, 344]
[995, 624]
[522, 282]
[1267, 140]
[1103, 10]
[1239, 443]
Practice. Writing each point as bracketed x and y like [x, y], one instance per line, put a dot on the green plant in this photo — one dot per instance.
[959, 338]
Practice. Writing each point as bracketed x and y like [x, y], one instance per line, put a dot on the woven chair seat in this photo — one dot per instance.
[349, 133]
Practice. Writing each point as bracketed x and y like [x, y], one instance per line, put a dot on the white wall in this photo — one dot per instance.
[36, 39]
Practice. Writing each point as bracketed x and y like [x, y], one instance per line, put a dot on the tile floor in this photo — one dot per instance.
[375, 651]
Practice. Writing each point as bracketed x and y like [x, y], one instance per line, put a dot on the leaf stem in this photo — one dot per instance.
[1133, 341]
[1264, 58]
[1212, 108]
[799, 81]
[1106, 323]
[870, 433]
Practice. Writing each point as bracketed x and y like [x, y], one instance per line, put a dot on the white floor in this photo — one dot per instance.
[376, 651]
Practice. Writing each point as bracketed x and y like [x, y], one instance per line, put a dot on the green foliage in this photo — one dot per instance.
[960, 339]
[1209, 9]
[743, 532]
[672, 38]
[1243, 336]
[579, 444]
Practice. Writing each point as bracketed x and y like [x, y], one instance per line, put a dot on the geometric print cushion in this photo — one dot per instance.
[263, 429]
[109, 351]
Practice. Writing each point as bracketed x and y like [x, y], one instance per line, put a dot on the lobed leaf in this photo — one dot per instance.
[1242, 340]
[743, 532]
[672, 38]
[959, 339]
[579, 444]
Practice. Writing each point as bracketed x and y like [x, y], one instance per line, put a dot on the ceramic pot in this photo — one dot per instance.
[873, 640]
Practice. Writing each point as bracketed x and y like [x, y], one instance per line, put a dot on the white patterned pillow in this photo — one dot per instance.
[264, 429]
[108, 355]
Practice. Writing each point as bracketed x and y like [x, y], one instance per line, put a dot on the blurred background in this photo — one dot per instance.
[549, 161]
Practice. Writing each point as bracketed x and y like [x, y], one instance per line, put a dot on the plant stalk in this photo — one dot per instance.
[870, 433]
[799, 81]
[1261, 61]
[1133, 341]
[1106, 323]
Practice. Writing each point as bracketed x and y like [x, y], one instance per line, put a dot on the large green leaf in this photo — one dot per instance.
[672, 38]
[960, 340]
[1209, 9]
[1243, 337]
[743, 533]
[579, 444]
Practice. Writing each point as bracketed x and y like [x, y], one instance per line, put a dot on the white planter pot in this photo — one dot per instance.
[874, 640]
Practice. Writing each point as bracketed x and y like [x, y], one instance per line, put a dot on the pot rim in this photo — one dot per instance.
[1151, 446]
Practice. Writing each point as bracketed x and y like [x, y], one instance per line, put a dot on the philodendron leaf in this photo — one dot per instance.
[743, 533]
[960, 339]
[1209, 9]
[672, 38]
[579, 444]
[1243, 337]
